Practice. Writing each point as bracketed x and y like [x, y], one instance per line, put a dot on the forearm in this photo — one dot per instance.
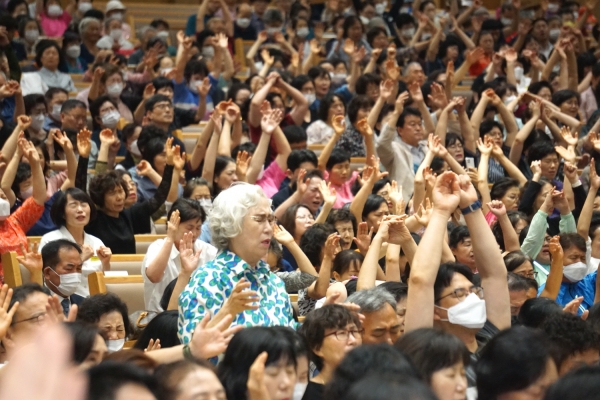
[174, 188]
[94, 90]
[319, 290]
[201, 110]
[290, 201]
[511, 239]
[157, 266]
[254, 115]
[103, 152]
[182, 280]
[302, 260]
[468, 134]
[510, 74]
[9, 177]
[358, 203]
[375, 111]
[228, 63]
[200, 147]
[325, 210]
[454, 165]
[460, 74]
[38, 181]
[427, 121]
[512, 170]
[368, 271]
[552, 61]
[236, 133]
[19, 106]
[585, 217]
[326, 152]
[258, 158]
[420, 185]
[477, 115]
[71, 169]
[442, 126]
[82, 173]
[509, 123]
[554, 279]
[225, 140]
[534, 240]
[10, 146]
[573, 77]
[563, 76]
[567, 224]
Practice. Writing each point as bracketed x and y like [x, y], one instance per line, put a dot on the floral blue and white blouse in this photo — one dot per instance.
[211, 285]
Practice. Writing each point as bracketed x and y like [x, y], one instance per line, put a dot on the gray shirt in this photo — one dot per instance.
[57, 79]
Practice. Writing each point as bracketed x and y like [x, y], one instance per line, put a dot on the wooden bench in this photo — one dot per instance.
[130, 288]
[142, 242]
[14, 273]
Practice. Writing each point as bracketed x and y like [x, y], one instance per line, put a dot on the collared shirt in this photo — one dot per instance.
[569, 291]
[57, 79]
[418, 152]
[210, 287]
[153, 291]
[90, 265]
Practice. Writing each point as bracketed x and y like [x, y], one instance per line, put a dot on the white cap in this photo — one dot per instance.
[114, 5]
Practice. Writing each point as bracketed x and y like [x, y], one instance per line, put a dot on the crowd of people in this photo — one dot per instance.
[423, 178]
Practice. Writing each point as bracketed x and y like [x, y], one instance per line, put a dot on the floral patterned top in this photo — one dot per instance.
[352, 141]
[211, 285]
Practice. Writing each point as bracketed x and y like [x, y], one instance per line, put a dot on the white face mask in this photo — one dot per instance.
[111, 119]
[408, 33]
[339, 76]
[272, 31]
[115, 345]
[134, 149]
[68, 282]
[4, 209]
[299, 389]
[554, 33]
[310, 97]
[466, 3]
[117, 15]
[55, 114]
[519, 71]
[54, 10]
[73, 51]
[84, 7]
[114, 90]
[380, 8]
[193, 86]
[27, 193]
[469, 313]
[243, 22]
[364, 20]
[163, 35]
[31, 35]
[206, 204]
[165, 71]
[37, 121]
[208, 52]
[426, 36]
[116, 34]
[302, 32]
[509, 99]
[553, 7]
[506, 21]
[575, 272]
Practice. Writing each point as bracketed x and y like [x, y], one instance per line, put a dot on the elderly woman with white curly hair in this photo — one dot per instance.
[237, 282]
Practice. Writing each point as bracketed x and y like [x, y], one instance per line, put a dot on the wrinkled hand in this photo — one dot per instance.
[210, 342]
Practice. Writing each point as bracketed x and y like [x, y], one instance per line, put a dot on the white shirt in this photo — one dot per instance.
[153, 291]
[93, 264]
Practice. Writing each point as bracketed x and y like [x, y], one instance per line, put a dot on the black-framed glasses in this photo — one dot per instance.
[528, 274]
[164, 106]
[37, 319]
[462, 293]
[344, 334]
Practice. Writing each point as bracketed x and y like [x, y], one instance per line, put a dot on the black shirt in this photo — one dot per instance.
[280, 197]
[314, 391]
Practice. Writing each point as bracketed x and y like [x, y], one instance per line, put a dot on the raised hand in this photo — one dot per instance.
[436, 147]
[363, 237]
[61, 138]
[359, 55]
[567, 154]
[217, 119]
[29, 151]
[301, 183]
[315, 48]
[223, 40]
[23, 121]
[365, 130]
[415, 92]
[569, 136]
[87, 252]
[189, 257]
[398, 233]
[570, 171]
[173, 225]
[392, 70]
[104, 254]
[438, 96]
[329, 194]
[153, 345]
[282, 236]
[497, 208]
[242, 162]
[511, 55]
[548, 204]
[144, 168]
[6, 315]
[210, 342]
[399, 104]
[241, 299]
[496, 150]
[560, 202]
[108, 137]
[222, 107]
[594, 178]
[263, 36]
[485, 148]
[332, 246]
[385, 89]
[349, 47]
[468, 194]
[475, 55]
[270, 121]
[84, 143]
[204, 88]
[423, 216]
[556, 250]
[267, 58]
[257, 388]
[396, 196]
[339, 125]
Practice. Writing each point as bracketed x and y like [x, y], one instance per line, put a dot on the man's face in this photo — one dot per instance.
[70, 263]
[57, 100]
[312, 197]
[415, 73]
[382, 326]
[447, 298]
[28, 320]
[412, 131]
[540, 31]
[74, 119]
[464, 253]
[162, 113]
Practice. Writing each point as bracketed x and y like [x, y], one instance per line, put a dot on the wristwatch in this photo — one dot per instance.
[473, 207]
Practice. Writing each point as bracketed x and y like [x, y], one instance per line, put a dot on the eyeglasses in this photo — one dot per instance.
[461, 293]
[305, 217]
[164, 106]
[494, 135]
[38, 319]
[264, 218]
[528, 274]
[344, 335]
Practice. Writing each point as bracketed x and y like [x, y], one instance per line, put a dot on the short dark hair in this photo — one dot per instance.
[152, 148]
[502, 186]
[189, 187]
[295, 134]
[288, 219]
[487, 126]
[195, 67]
[515, 259]
[344, 259]
[405, 113]
[561, 96]
[102, 183]
[333, 316]
[342, 215]
[570, 335]
[84, 337]
[152, 101]
[108, 377]
[535, 311]
[148, 133]
[94, 307]
[13, 4]
[384, 386]
[97, 104]
[539, 150]
[363, 82]
[338, 156]
[49, 95]
[248, 147]
[313, 241]
[161, 82]
[431, 350]
[32, 100]
[373, 33]
[21, 293]
[71, 104]
[518, 283]
[495, 370]
[163, 327]
[188, 210]
[358, 102]
[397, 289]
[374, 201]
[326, 102]
[42, 46]
[446, 273]
[299, 157]
[573, 239]
[50, 251]
[535, 87]
[57, 212]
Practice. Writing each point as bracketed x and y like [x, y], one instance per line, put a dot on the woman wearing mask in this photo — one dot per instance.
[48, 58]
[353, 30]
[53, 19]
[108, 80]
[105, 115]
[29, 33]
[71, 212]
[113, 38]
[109, 314]
[71, 49]
[35, 108]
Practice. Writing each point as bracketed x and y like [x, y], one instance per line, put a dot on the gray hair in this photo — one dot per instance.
[107, 22]
[85, 22]
[145, 29]
[407, 68]
[372, 300]
[229, 209]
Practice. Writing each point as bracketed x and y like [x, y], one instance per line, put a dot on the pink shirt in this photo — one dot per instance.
[271, 179]
[54, 183]
[55, 27]
[344, 192]
[490, 218]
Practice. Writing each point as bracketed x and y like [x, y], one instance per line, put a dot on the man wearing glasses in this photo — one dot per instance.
[381, 324]
[73, 117]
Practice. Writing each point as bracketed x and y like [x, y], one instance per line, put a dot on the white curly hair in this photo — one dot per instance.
[229, 209]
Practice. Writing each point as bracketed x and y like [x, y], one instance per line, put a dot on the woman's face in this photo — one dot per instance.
[545, 93]
[160, 161]
[570, 107]
[362, 113]
[525, 270]
[111, 326]
[312, 197]
[496, 136]
[226, 177]
[302, 369]
[77, 213]
[336, 108]
[96, 355]
[511, 198]
[355, 31]
[308, 88]
[92, 32]
[31, 26]
[539, 199]
[487, 43]
[132, 186]
[114, 199]
[549, 165]
[374, 218]
[450, 383]
[352, 270]
[280, 379]
[322, 85]
[253, 242]
[193, 226]
[114, 78]
[520, 225]
[201, 383]
[50, 58]
[200, 192]
[105, 109]
[334, 347]
[380, 41]
[241, 96]
[457, 151]
[429, 10]
[304, 220]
